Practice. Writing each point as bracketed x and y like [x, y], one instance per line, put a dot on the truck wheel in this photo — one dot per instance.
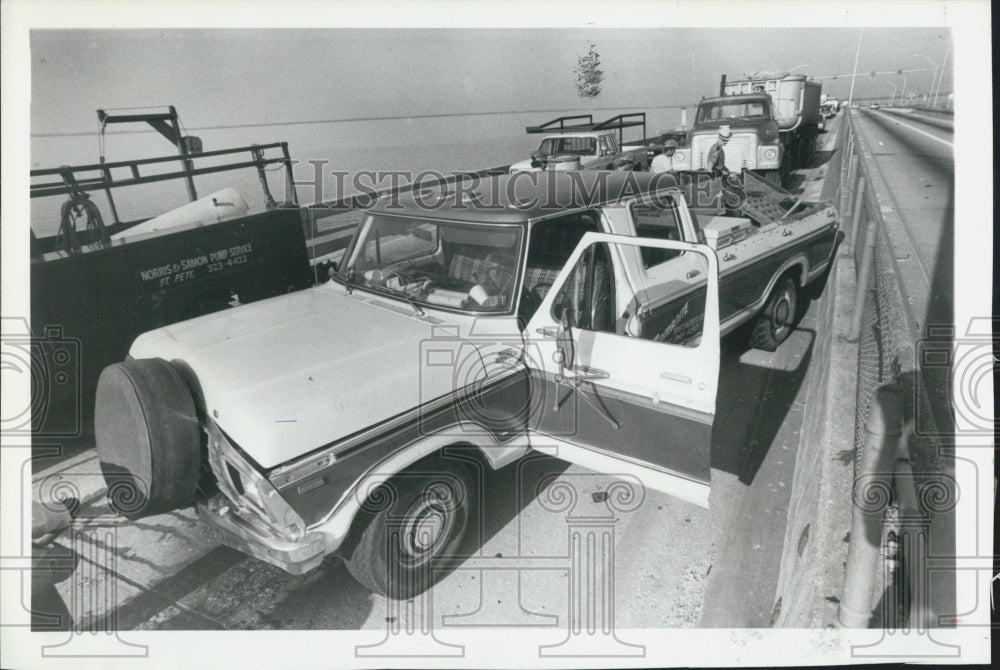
[776, 321]
[424, 519]
[148, 439]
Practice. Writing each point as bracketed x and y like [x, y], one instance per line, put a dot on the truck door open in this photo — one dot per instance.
[616, 386]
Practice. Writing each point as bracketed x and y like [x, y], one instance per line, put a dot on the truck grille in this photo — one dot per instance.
[741, 151]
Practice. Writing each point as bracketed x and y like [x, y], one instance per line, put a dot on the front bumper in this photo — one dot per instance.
[296, 557]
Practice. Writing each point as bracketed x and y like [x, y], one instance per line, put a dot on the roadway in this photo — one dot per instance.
[916, 159]
[675, 564]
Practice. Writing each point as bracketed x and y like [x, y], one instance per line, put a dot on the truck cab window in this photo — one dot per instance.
[667, 305]
[658, 222]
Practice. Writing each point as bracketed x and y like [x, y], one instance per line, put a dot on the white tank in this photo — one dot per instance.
[796, 99]
[563, 162]
[219, 206]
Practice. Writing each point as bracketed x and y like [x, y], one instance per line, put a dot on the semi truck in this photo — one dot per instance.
[774, 118]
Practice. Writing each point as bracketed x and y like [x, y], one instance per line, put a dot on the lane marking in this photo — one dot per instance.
[916, 130]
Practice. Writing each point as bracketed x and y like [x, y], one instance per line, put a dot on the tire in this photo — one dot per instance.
[777, 320]
[390, 556]
[148, 438]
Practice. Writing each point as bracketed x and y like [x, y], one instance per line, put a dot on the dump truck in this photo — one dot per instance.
[774, 118]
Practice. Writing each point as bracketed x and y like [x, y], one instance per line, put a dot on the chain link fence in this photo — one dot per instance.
[887, 342]
[886, 338]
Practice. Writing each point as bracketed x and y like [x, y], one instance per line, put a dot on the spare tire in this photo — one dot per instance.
[147, 434]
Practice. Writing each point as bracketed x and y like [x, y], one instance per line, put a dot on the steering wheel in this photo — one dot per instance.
[539, 291]
[494, 263]
[533, 298]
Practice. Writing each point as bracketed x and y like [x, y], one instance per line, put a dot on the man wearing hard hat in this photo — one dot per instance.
[716, 161]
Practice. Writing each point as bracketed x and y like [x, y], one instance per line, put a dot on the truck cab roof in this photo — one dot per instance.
[520, 198]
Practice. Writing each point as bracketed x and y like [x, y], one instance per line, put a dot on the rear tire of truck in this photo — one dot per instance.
[777, 320]
[148, 438]
[421, 516]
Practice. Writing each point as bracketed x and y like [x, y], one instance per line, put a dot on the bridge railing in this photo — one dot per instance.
[896, 429]
[938, 111]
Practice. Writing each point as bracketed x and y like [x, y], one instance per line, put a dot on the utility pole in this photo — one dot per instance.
[850, 97]
[941, 76]
[694, 85]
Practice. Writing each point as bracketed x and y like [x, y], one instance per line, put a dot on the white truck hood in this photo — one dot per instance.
[523, 166]
[287, 375]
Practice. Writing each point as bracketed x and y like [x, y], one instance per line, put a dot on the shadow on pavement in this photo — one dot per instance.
[754, 400]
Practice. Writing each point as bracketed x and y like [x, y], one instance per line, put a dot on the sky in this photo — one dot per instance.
[249, 76]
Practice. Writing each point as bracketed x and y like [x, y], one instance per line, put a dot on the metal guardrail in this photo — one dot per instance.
[950, 113]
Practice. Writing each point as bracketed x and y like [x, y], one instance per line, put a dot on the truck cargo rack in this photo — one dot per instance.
[766, 202]
[70, 182]
[77, 180]
[619, 123]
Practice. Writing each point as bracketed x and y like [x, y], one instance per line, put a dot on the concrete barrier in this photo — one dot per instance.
[939, 121]
[819, 517]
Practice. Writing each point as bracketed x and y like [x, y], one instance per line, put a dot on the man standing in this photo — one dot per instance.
[663, 161]
[716, 161]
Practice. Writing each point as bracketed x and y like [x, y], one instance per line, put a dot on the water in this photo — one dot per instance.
[449, 144]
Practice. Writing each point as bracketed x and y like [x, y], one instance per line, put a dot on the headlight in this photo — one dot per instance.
[247, 489]
[768, 157]
[680, 156]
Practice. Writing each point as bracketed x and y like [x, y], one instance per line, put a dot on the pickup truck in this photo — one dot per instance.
[587, 150]
[576, 312]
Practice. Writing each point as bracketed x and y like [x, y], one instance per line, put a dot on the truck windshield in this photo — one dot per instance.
[471, 268]
[720, 111]
[580, 146]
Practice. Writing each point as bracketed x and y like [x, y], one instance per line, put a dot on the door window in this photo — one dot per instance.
[550, 245]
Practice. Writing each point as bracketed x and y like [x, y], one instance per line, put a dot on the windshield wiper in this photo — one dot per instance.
[345, 278]
[405, 296]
